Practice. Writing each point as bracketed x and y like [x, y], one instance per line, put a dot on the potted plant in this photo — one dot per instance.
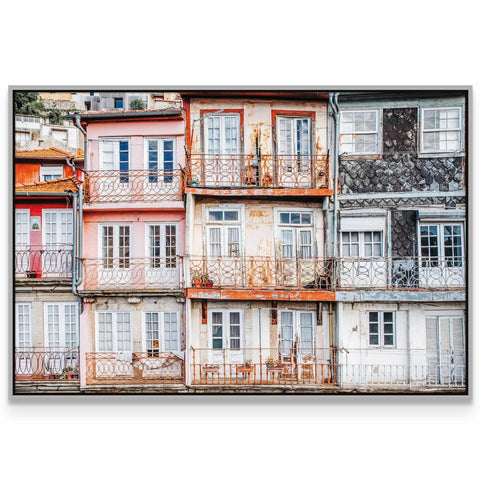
[202, 280]
[194, 182]
[246, 367]
[70, 372]
[274, 364]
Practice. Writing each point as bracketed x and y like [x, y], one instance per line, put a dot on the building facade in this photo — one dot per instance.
[263, 242]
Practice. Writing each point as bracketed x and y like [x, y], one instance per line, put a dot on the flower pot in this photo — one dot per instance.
[197, 283]
[69, 376]
[242, 369]
[208, 284]
[211, 368]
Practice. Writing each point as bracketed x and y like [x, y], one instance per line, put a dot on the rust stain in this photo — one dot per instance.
[260, 192]
[257, 294]
[257, 213]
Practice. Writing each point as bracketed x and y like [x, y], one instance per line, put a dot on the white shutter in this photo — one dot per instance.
[362, 224]
[22, 227]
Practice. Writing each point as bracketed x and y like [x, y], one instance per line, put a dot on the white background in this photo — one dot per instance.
[236, 43]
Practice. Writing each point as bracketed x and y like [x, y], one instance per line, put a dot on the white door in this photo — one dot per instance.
[297, 335]
[162, 269]
[115, 266]
[441, 255]
[114, 335]
[294, 162]
[117, 182]
[222, 165]
[160, 163]
[23, 339]
[57, 243]
[297, 265]
[22, 242]
[226, 336]
[225, 265]
[446, 350]
[61, 336]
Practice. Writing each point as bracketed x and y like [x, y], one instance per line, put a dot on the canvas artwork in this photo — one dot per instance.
[240, 242]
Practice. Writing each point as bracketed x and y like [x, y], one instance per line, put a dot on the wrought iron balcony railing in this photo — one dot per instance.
[264, 366]
[159, 273]
[250, 171]
[401, 273]
[133, 186]
[46, 261]
[261, 272]
[134, 368]
[46, 363]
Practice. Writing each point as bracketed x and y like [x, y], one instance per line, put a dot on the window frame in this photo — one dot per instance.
[153, 177]
[227, 312]
[51, 170]
[114, 330]
[378, 132]
[116, 154]
[23, 211]
[294, 118]
[58, 233]
[115, 99]
[163, 244]
[441, 243]
[224, 225]
[362, 243]
[422, 130]
[381, 329]
[161, 330]
[115, 259]
[30, 326]
[205, 115]
[62, 329]
[297, 228]
[296, 328]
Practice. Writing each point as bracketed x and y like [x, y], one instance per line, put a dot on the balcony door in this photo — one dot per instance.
[61, 336]
[114, 335]
[115, 264]
[442, 262]
[294, 159]
[162, 267]
[296, 265]
[23, 339]
[22, 241]
[445, 337]
[57, 243]
[225, 336]
[115, 162]
[160, 159]
[222, 164]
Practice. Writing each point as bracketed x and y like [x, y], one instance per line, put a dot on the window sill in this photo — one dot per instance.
[367, 156]
[441, 154]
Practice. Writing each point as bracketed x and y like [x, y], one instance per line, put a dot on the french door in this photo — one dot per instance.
[446, 349]
[114, 334]
[22, 241]
[225, 265]
[115, 267]
[23, 339]
[226, 336]
[297, 335]
[115, 159]
[58, 243]
[294, 165]
[163, 268]
[222, 145]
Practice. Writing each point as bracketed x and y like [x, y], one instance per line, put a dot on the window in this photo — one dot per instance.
[61, 325]
[115, 156]
[115, 245]
[294, 137]
[296, 332]
[296, 234]
[21, 138]
[441, 244]
[441, 129]
[222, 134]
[22, 227]
[362, 244]
[23, 330]
[160, 156]
[224, 236]
[114, 333]
[162, 333]
[118, 102]
[359, 132]
[60, 135]
[50, 172]
[381, 329]
[162, 241]
[57, 227]
[226, 330]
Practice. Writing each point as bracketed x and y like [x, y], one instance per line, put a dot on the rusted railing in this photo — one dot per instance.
[267, 366]
[45, 363]
[133, 185]
[261, 272]
[400, 272]
[250, 171]
[137, 367]
[48, 261]
[162, 273]
[402, 367]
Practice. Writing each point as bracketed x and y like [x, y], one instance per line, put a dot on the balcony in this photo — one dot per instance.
[401, 273]
[141, 368]
[253, 175]
[264, 366]
[43, 363]
[116, 186]
[44, 262]
[262, 278]
[132, 274]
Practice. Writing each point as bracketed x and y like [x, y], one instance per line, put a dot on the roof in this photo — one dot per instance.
[52, 152]
[120, 114]
[58, 185]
